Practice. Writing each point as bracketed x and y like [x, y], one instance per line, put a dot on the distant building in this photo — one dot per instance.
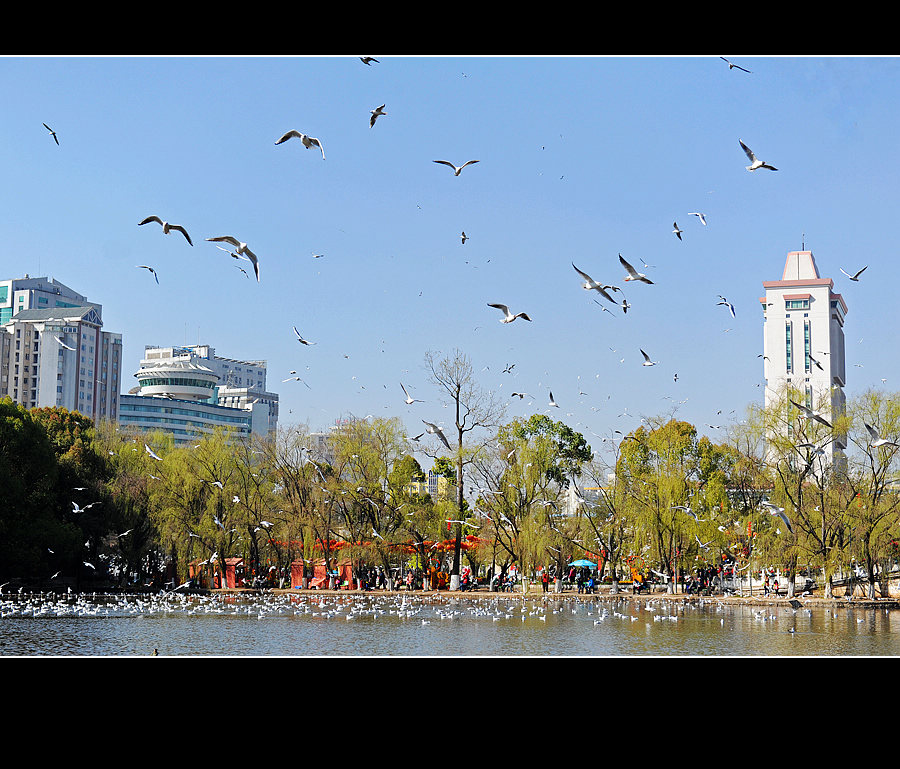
[188, 391]
[53, 351]
[435, 485]
[803, 341]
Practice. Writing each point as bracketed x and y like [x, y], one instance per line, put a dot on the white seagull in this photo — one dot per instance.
[152, 453]
[676, 230]
[509, 317]
[242, 250]
[552, 402]
[167, 228]
[77, 509]
[147, 267]
[308, 141]
[301, 339]
[592, 285]
[457, 169]
[634, 274]
[855, 275]
[701, 217]
[779, 511]
[877, 440]
[754, 161]
[376, 113]
[52, 133]
[435, 430]
[732, 65]
[409, 399]
[810, 414]
[727, 304]
[647, 361]
[63, 344]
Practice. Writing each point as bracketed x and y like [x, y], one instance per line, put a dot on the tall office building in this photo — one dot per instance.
[803, 341]
[53, 351]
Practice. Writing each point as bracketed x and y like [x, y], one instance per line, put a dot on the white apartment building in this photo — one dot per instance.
[803, 341]
[53, 351]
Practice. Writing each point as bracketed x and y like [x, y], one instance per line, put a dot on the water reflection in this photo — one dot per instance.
[389, 625]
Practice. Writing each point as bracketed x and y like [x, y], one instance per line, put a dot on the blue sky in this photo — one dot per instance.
[581, 158]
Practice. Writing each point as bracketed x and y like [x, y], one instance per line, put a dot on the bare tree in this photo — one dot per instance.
[474, 408]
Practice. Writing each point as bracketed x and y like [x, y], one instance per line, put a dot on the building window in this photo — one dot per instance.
[806, 345]
[787, 347]
[796, 304]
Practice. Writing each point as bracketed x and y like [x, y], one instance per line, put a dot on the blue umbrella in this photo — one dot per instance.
[583, 562]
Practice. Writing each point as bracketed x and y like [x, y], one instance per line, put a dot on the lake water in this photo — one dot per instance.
[397, 625]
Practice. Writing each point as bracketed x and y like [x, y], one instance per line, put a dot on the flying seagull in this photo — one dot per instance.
[409, 399]
[301, 339]
[676, 230]
[810, 414]
[779, 511]
[754, 161]
[552, 401]
[732, 65]
[509, 317]
[727, 304]
[457, 169]
[464, 237]
[242, 250]
[591, 284]
[308, 141]
[647, 361]
[63, 344]
[435, 430]
[855, 275]
[167, 228]
[367, 60]
[145, 267]
[376, 113]
[152, 453]
[634, 274]
[77, 509]
[877, 440]
[700, 216]
[52, 133]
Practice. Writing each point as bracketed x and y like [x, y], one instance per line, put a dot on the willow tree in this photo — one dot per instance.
[872, 504]
[804, 457]
[660, 469]
[474, 409]
[365, 452]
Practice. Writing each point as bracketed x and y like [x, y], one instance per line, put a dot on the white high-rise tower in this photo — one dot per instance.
[803, 341]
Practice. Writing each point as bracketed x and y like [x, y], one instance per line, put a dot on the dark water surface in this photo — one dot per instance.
[397, 625]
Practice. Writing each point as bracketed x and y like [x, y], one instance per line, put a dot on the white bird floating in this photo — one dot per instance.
[700, 216]
[376, 113]
[63, 344]
[633, 274]
[457, 169]
[152, 453]
[755, 162]
[307, 141]
[435, 430]
[647, 361]
[676, 230]
[241, 250]
[167, 227]
[508, 316]
[726, 303]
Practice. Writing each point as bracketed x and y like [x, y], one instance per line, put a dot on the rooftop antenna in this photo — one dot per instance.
[803, 241]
